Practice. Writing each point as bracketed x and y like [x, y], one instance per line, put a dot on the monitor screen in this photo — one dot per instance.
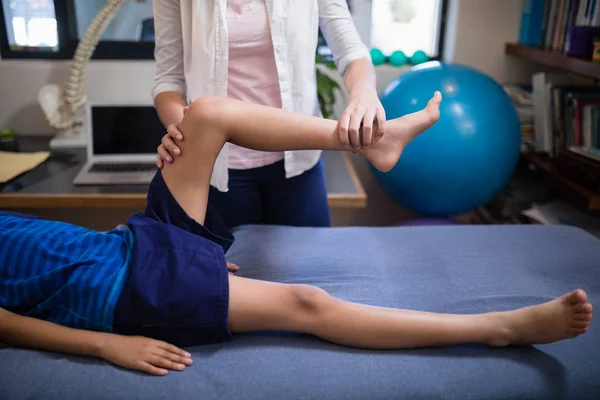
[126, 129]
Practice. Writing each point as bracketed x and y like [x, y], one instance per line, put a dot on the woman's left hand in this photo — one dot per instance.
[364, 110]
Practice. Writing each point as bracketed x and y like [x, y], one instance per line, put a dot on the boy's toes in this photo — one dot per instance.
[577, 296]
[579, 324]
[582, 317]
[434, 103]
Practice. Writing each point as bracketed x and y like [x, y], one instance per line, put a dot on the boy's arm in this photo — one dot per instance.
[139, 353]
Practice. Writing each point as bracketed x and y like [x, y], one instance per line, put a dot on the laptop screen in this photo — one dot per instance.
[125, 129]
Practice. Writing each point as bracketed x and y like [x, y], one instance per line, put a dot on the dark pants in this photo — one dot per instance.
[264, 196]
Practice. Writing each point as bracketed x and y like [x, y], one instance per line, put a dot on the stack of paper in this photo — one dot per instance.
[14, 164]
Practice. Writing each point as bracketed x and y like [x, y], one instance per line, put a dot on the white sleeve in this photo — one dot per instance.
[168, 53]
[340, 33]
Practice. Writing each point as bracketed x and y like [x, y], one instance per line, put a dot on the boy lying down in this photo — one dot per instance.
[131, 296]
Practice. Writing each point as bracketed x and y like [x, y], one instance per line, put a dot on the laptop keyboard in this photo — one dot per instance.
[123, 167]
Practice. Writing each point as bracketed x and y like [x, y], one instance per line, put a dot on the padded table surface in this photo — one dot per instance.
[446, 269]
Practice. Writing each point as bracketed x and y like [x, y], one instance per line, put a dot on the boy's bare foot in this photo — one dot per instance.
[384, 154]
[563, 318]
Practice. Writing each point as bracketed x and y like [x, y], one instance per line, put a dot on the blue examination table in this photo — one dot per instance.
[455, 269]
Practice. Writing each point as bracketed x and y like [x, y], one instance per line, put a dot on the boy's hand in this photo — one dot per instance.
[147, 355]
[232, 268]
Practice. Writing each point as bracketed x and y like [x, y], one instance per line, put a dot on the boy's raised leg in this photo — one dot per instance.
[211, 122]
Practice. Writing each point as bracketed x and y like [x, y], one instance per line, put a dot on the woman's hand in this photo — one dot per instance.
[364, 109]
[168, 150]
[147, 355]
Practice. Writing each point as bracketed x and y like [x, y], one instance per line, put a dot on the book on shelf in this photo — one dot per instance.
[566, 113]
[532, 22]
[578, 119]
[522, 98]
[542, 84]
[547, 23]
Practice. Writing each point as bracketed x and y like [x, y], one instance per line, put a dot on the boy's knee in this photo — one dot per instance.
[204, 122]
[206, 110]
[308, 300]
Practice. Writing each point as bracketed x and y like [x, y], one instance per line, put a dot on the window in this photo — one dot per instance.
[406, 25]
[31, 25]
[53, 28]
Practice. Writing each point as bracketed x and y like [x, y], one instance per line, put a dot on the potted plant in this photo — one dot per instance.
[327, 87]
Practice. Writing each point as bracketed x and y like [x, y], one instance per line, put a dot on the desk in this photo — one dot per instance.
[50, 186]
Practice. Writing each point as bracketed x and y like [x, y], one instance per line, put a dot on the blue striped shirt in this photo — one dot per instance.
[62, 273]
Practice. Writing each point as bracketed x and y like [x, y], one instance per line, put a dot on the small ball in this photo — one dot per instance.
[377, 57]
[398, 58]
[419, 57]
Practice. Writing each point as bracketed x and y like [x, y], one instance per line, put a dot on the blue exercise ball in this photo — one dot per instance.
[468, 156]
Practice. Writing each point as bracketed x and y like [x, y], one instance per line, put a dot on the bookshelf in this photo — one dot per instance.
[555, 59]
[579, 195]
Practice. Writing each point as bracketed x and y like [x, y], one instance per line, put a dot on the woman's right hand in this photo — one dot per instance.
[168, 150]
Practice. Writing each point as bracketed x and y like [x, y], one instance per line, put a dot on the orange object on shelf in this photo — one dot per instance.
[596, 55]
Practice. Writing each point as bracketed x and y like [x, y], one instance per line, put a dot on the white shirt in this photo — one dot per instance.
[192, 56]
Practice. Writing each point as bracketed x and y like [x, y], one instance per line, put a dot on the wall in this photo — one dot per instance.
[20, 82]
[480, 28]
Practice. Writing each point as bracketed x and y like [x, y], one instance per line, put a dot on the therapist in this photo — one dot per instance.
[262, 51]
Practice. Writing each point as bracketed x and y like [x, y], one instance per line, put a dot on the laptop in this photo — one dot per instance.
[122, 142]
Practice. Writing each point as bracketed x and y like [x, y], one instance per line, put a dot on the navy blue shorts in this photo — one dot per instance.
[178, 286]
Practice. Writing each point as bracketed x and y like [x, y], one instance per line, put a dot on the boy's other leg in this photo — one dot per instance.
[257, 305]
[211, 122]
